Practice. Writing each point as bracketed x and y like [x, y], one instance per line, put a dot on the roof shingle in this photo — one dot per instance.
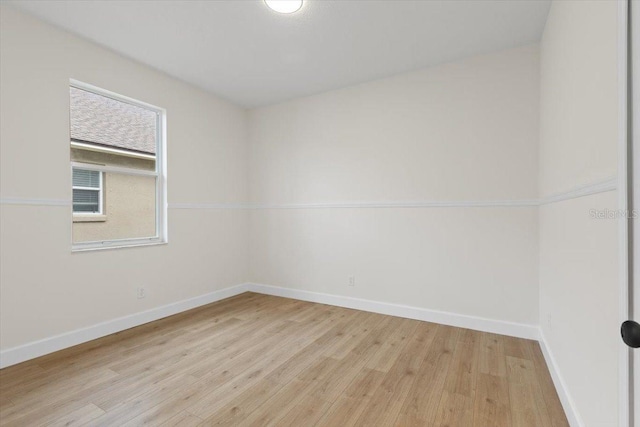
[100, 120]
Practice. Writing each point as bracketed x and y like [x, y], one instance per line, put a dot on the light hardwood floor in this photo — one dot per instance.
[256, 360]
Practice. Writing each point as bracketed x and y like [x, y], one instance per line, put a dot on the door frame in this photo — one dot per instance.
[624, 250]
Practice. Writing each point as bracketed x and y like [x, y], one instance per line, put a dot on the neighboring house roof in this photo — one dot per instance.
[104, 121]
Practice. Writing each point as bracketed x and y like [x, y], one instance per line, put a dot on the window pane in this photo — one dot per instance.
[105, 131]
[86, 201]
[119, 138]
[107, 122]
[85, 196]
[85, 208]
[129, 210]
[86, 178]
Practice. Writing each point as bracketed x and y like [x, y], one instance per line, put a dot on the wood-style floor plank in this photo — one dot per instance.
[386, 403]
[421, 406]
[257, 360]
[529, 407]
[549, 392]
[349, 407]
[491, 403]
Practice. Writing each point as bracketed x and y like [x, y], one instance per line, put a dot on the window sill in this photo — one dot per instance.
[115, 244]
[89, 218]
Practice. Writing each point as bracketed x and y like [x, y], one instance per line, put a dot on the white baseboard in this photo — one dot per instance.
[35, 349]
[567, 402]
[519, 330]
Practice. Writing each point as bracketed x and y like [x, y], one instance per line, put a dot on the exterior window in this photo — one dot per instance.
[117, 151]
[87, 191]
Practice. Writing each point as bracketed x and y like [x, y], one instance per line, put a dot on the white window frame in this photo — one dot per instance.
[160, 173]
[99, 190]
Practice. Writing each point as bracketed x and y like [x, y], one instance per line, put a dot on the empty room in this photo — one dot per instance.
[320, 213]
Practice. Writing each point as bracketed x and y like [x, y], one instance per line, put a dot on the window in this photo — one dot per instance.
[87, 191]
[117, 147]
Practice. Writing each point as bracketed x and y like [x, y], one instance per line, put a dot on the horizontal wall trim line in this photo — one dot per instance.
[409, 204]
[609, 184]
[561, 387]
[208, 206]
[359, 205]
[410, 312]
[39, 348]
[602, 186]
[36, 202]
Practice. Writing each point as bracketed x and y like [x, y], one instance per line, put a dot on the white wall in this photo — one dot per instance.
[463, 131]
[578, 254]
[460, 133]
[45, 289]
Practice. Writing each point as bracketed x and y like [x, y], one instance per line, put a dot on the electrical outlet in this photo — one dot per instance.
[352, 281]
[141, 292]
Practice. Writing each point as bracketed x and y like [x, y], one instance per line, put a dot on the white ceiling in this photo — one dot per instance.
[245, 52]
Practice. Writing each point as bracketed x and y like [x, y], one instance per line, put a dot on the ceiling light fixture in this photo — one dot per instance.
[284, 6]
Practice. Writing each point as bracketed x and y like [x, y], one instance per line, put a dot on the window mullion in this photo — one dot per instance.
[86, 188]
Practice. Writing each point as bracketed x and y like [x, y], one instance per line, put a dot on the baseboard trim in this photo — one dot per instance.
[15, 355]
[446, 318]
[561, 387]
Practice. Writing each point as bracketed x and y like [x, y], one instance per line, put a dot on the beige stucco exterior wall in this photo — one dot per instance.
[129, 201]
